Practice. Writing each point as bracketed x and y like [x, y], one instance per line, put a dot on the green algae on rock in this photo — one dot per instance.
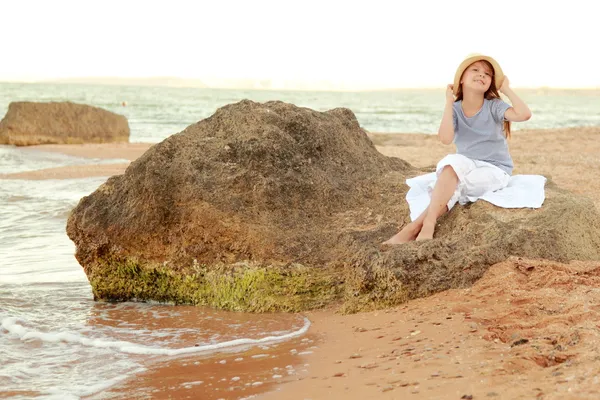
[238, 287]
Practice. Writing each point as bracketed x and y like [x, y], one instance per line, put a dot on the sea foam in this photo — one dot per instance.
[15, 328]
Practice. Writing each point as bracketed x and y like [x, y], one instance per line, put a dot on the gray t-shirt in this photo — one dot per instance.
[481, 137]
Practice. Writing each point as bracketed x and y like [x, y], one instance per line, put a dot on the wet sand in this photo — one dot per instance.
[228, 373]
[128, 151]
[121, 151]
[527, 329]
[221, 376]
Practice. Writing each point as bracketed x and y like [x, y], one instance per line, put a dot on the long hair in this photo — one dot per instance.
[491, 93]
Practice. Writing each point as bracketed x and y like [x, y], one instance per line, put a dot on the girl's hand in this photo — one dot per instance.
[450, 93]
[505, 85]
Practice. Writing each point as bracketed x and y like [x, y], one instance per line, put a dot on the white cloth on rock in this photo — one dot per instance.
[478, 180]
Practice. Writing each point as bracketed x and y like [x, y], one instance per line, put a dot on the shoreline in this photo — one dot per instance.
[526, 329]
[549, 152]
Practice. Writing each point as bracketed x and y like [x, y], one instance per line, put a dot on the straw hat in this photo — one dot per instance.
[498, 74]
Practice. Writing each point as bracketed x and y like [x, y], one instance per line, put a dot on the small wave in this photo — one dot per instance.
[18, 198]
[79, 391]
[11, 325]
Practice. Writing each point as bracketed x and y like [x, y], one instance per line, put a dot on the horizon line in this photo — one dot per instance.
[154, 81]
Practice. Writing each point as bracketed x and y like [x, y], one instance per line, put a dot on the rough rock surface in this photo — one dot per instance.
[31, 123]
[270, 206]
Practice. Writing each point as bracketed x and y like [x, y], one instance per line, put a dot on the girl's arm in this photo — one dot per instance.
[519, 111]
[446, 130]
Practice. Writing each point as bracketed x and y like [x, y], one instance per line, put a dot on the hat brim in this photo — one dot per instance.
[498, 74]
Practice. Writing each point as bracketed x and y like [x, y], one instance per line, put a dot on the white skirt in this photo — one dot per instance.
[475, 178]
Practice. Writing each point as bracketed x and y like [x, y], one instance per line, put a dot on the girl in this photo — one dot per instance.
[478, 123]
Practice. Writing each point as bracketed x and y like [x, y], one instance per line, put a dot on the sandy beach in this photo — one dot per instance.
[527, 329]
[117, 151]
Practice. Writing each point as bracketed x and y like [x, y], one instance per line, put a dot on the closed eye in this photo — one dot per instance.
[477, 69]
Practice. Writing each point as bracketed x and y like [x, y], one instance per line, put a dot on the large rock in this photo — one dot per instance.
[30, 123]
[270, 206]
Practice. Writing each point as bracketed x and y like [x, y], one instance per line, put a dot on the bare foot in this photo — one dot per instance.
[426, 231]
[408, 233]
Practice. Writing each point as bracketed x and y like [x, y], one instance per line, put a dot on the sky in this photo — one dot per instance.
[352, 44]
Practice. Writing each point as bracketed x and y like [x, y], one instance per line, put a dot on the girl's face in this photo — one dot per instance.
[477, 77]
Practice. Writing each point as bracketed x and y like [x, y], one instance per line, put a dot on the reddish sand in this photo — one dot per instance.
[527, 329]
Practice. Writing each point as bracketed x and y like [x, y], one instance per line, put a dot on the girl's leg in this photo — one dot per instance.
[409, 232]
[443, 190]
